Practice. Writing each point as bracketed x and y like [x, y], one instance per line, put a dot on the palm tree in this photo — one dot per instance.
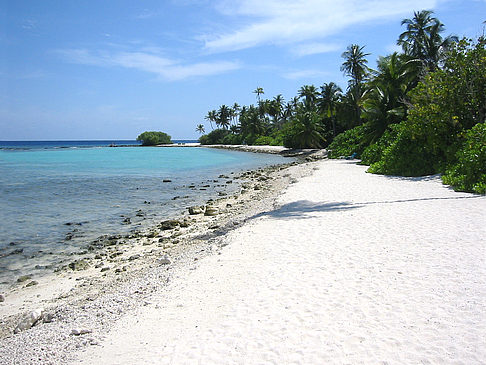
[200, 129]
[422, 39]
[211, 117]
[258, 91]
[307, 130]
[328, 101]
[385, 100]
[354, 66]
[224, 116]
[309, 93]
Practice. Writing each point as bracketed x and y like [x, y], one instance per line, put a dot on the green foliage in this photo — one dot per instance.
[214, 137]
[154, 138]
[349, 142]
[374, 152]
[444, 105]
[232, 139]
[263, 141]
[304, 131]
[469, 173]
[406, 156]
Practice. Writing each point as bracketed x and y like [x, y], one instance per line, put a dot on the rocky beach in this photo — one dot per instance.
[316, 262]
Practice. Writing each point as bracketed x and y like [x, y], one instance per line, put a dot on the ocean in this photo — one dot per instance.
[56, 197]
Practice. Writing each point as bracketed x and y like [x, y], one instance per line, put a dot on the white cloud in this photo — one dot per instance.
[291, 21]
[154, 63]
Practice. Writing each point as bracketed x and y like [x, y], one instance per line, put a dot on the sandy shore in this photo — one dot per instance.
[343, 268]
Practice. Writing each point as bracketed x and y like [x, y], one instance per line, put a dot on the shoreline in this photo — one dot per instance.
[154, 253]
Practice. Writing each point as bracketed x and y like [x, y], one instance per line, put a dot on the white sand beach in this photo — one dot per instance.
[349, 268]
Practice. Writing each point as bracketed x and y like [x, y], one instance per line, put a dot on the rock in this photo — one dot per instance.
[23, 278]
[164, 261]
[167, 180]
[2, 298]
[169, 224]
[134, 257]
[222, 194]
[211, 211]
[28, 321]
[47, 317]
[80, 331]
[79, 265]
[195, 210]
[229, 182]
[127, 221]
[32, 283]
[103, 269]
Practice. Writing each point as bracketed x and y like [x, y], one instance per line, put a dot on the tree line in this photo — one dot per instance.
[421, 111]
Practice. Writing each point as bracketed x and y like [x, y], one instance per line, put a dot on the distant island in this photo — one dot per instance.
[154, 138]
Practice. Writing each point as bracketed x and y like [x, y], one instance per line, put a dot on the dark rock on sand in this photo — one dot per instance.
[23, 278]
[79, 265]
[169, 224]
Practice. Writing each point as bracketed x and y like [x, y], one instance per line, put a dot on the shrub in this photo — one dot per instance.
[154, 138]
[263, 141]
[374, 152]
[352, 141]
[469, 172]
[214, 137]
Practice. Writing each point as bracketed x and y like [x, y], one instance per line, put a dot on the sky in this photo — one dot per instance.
[111, 69]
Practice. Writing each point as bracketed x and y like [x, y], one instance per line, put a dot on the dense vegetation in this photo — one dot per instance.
[154, 138]
[422, 111]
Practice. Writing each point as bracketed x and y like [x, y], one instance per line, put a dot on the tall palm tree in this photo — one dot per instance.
[200, 129]
[309, 93]
[355, 66]
[224, 116]
[211, 117]
[422, 39]
[385, 99]
[307, 130]
[328, 101]
[258, 91]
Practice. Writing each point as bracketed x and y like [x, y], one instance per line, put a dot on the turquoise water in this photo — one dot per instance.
[55, 201]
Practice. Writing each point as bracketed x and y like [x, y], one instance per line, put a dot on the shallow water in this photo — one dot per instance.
[55, 201]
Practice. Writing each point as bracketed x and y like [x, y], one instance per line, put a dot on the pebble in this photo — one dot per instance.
[2, 298]
[32, 283]
[29, 320]
[79, 332]
[164, 261]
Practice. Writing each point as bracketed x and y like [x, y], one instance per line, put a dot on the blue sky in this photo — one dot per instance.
[106, 69]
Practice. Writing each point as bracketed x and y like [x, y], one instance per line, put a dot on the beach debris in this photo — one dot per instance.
[80, 331]
[79, 265]
[211, 211]
[29, 320]
[195, 210]
[164, 260]
[23, 278]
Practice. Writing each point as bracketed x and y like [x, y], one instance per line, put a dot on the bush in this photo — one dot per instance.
[263, 141]
[374, 152]
[232, 139]
[469, 172]
[154, 138]
[214, 137]
[352, 141]
[445, 104]
[406, 156]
